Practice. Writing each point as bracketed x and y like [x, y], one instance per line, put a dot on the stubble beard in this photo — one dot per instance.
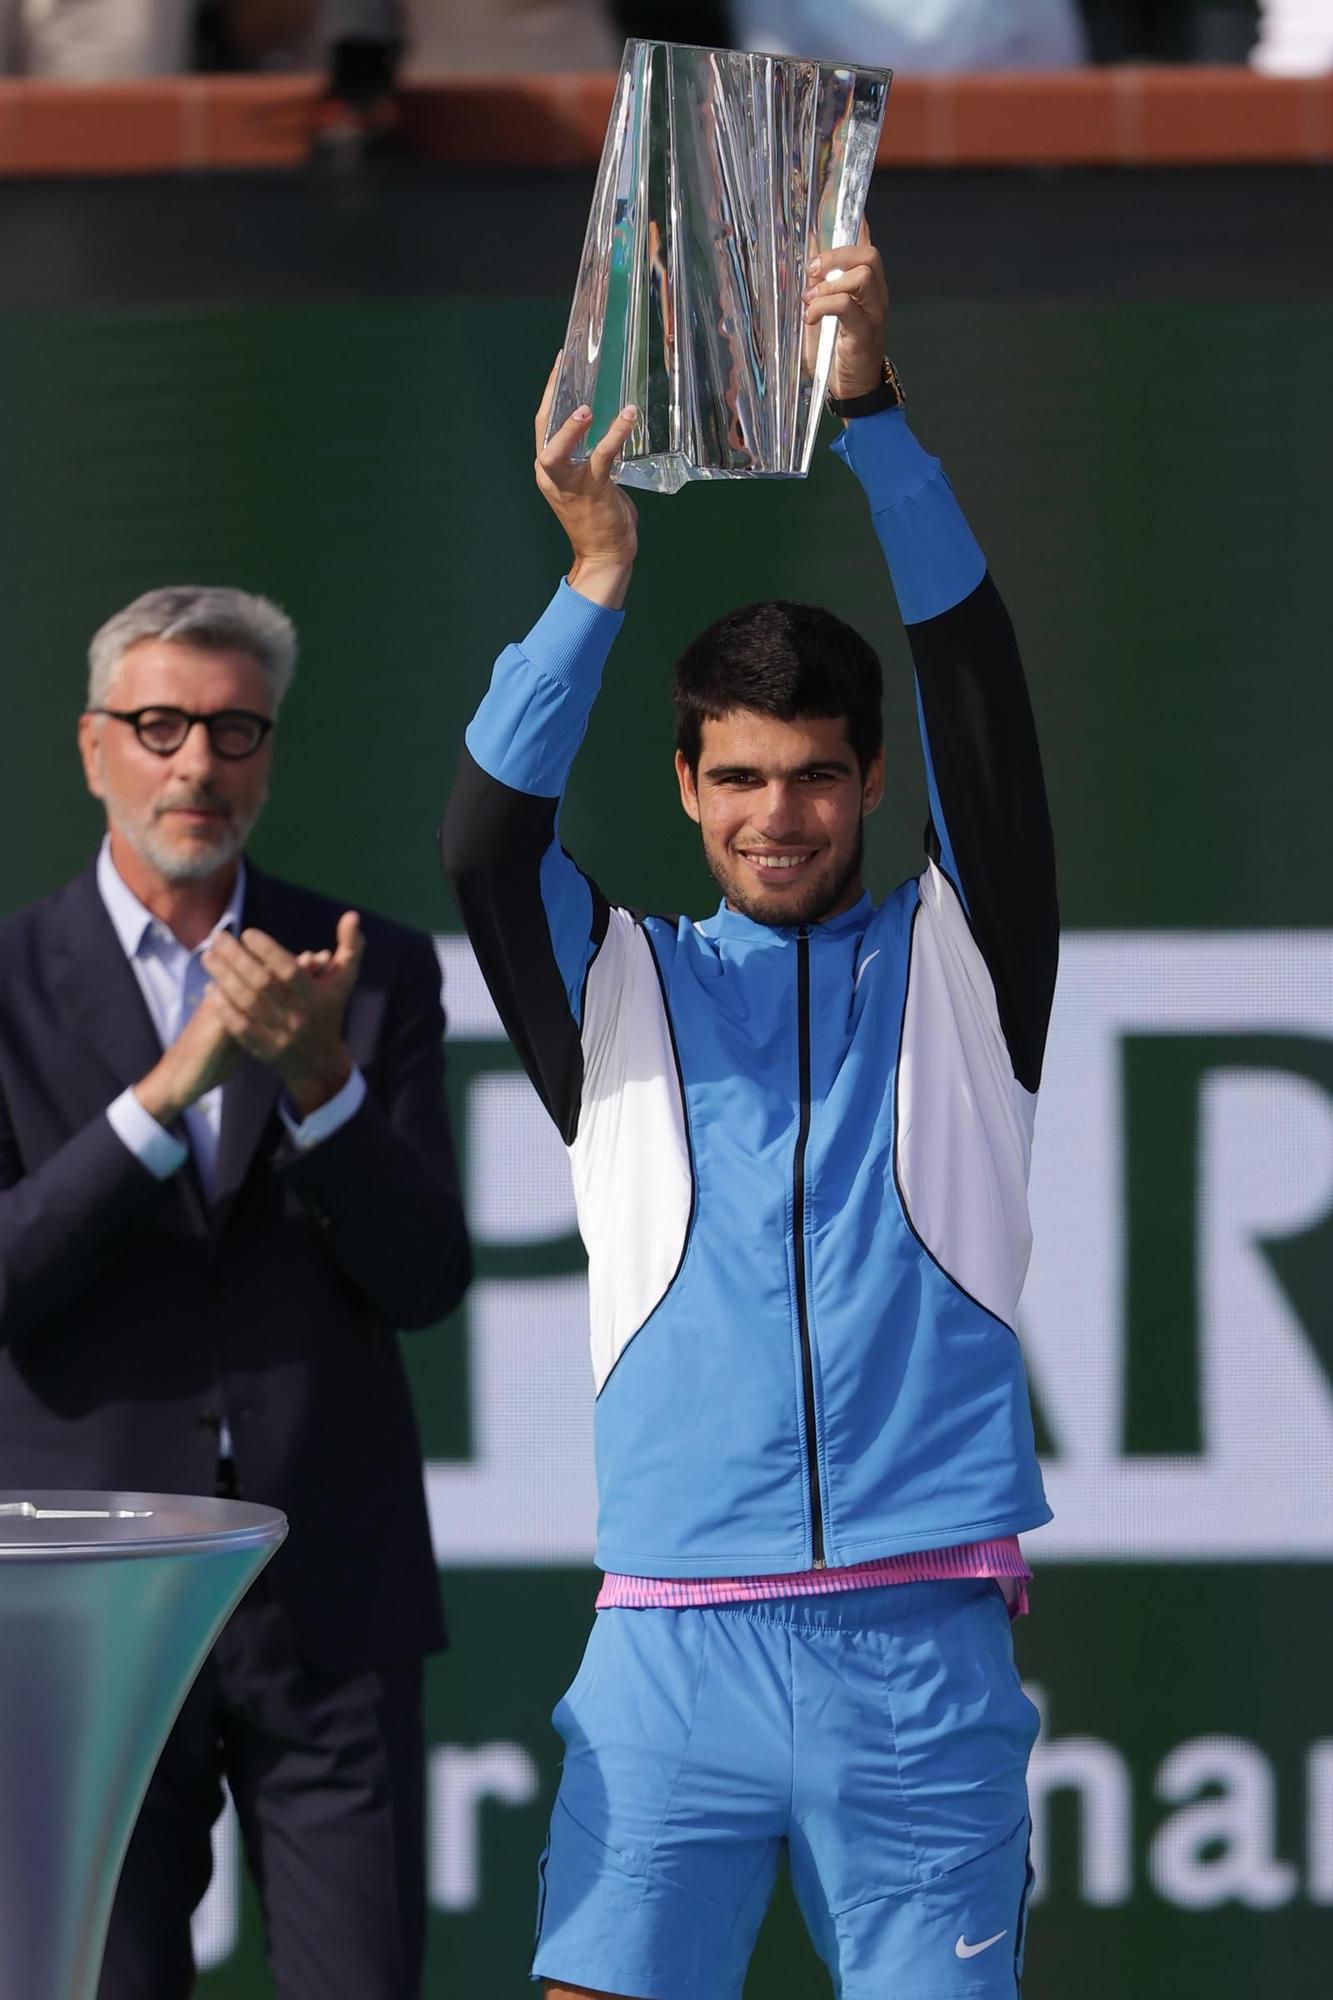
[787, 913]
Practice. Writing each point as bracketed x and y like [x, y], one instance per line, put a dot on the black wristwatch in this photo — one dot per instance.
[888, 394]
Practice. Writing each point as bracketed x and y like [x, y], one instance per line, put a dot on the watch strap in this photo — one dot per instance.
[887, 394]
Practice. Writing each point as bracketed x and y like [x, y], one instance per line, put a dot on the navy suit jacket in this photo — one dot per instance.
[135, 1316]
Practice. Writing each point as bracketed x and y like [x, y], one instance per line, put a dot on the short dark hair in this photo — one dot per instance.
[790, 661]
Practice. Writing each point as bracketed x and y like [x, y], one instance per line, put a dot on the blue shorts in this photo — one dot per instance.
[881, 1735]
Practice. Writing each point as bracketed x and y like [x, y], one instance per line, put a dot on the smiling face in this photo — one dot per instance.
[780, 806]
[187, 816]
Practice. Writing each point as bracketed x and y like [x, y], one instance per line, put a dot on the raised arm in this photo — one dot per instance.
[536, 922]
[989, 829]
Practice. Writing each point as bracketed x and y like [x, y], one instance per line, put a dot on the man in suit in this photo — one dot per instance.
[226, 1178]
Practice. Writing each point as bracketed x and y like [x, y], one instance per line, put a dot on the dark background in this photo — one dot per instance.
[324, 392]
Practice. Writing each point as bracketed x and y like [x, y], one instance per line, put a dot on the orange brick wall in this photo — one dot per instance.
[1096, 117]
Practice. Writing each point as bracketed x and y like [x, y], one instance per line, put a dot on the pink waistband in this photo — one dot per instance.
[1002, 1560]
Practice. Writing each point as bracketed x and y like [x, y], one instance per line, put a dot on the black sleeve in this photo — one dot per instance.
[990, 827]
[535, 921]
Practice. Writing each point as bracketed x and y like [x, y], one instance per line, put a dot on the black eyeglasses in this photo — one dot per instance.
[232, 732]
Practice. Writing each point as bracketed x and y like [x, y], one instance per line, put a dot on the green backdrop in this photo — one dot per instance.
[1147, 475]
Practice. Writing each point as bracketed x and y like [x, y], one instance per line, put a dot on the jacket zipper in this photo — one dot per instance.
[798, 1231]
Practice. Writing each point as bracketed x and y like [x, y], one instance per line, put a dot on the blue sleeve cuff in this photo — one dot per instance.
[933, 557]
[530, 724]
[571, 640]
[886, 457]
[328, 1119]
[151, 1144]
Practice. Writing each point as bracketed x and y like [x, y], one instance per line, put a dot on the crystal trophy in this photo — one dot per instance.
[722, 175]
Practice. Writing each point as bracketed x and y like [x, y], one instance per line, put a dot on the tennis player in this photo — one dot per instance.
[799, 1132]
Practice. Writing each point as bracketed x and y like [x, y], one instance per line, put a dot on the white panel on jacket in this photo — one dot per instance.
[631, 1157]
[964, 1135]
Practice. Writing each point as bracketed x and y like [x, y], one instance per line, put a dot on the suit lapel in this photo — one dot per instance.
[103, 1002]
[96, 984]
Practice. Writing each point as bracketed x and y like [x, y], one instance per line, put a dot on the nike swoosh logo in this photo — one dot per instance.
[965, 1950]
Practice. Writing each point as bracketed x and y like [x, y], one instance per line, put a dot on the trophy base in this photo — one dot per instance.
[108, 1604]
[668, 471]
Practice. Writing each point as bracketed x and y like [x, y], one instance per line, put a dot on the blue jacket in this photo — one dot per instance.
[799, 1155]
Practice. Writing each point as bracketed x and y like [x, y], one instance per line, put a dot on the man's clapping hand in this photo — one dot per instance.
[287, 1009]
[202, 1056]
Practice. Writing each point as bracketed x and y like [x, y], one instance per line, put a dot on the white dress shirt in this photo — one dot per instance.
[173, 981]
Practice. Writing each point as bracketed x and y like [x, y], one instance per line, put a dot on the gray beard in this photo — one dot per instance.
[184, 867]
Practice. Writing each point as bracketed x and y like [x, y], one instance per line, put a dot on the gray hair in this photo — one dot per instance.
[215, 618]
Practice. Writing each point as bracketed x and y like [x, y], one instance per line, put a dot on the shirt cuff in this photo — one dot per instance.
[529, 727]
[306, 1133]
[933, 556]
[885, 456]
[572, 638]
[151, 1144]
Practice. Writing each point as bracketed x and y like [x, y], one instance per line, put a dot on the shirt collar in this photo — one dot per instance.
[733, 924]
[133, 922]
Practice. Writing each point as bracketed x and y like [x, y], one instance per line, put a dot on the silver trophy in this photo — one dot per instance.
[722, 175]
